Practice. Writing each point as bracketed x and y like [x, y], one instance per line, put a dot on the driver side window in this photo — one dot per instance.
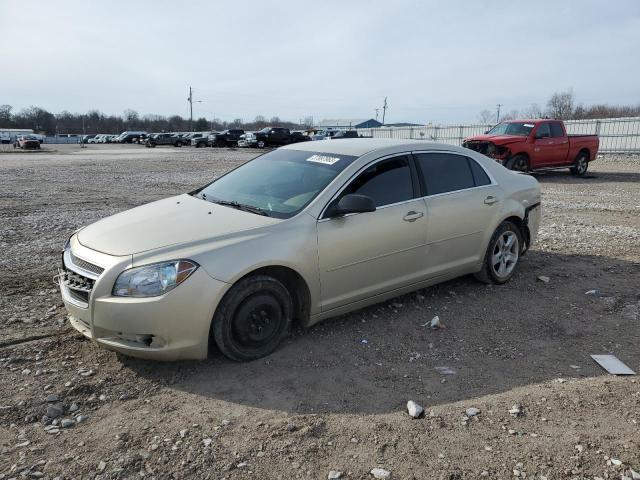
[543, 131]
[386, 182]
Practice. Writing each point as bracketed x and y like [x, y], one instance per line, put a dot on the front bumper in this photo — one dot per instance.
[173, 326]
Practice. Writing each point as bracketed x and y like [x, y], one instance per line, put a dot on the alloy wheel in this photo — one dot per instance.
[505, 254]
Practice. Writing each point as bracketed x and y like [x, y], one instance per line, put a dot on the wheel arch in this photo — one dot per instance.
[586, 151]
[295, 284]
[522, 225]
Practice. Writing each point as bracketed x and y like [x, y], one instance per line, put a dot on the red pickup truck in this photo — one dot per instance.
[526, 145]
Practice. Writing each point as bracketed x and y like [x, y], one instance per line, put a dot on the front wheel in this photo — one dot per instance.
[580, 166]
[252, 319]
[502, 255]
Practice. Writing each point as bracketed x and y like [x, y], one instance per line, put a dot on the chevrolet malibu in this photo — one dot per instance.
[299, 234]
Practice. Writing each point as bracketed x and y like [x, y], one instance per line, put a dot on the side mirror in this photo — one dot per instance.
[353, 203]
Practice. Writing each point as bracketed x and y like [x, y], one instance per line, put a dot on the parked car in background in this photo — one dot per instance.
[341, 134]
[242, 141]
[130, 136]
[526, 145]
[27, 142]
[156, 139]
[269, 137]
[305, 232]
[203, 141]
[227, 138]
[298, 136]
[321, 134]
[86, 138]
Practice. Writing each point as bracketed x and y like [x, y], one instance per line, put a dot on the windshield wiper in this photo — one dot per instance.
[242, 206]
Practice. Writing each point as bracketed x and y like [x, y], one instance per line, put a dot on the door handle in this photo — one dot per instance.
[412, 216]
[490, 200]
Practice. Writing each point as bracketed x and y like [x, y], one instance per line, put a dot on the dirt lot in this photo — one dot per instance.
[333, 397]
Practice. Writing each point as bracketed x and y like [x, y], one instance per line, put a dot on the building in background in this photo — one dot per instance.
[348, 123]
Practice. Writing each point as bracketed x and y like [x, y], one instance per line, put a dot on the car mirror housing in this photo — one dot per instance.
[353, 203]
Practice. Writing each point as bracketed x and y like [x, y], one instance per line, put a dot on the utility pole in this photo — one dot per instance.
[377, 112]
[498, 116]
[190, 99]
[384, 109]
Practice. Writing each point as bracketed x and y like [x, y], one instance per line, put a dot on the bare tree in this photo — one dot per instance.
[512, 115]
[560, 105]
[486, 117]
[534, 111]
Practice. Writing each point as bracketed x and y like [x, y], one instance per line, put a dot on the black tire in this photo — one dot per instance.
[178, 144]
[489, 273]
[581, 165]
[518, 163]
[252, 319]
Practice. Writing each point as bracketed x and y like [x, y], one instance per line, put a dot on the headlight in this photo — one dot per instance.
[153, 280]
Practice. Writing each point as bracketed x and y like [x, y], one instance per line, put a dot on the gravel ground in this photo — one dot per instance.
[327, 400]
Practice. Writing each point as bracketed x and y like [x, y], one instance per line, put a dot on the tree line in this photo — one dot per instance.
[562, 106]
[41, 121]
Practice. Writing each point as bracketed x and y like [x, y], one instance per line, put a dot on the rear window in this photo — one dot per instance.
[446, 172]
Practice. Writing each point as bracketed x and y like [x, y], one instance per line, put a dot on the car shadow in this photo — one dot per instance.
[495, 338]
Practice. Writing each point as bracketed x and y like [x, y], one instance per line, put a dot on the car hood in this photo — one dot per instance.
[497, 139]
[171, 221]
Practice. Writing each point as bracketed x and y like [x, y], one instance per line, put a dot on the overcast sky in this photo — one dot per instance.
[437, 61]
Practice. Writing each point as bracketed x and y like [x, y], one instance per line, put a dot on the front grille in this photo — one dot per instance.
[77, 286]
[90, 267]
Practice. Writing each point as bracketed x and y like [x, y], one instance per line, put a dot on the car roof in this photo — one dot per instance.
[361, 146]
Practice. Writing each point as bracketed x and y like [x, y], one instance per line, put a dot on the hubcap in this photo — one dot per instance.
[505, 254]
[521, 165]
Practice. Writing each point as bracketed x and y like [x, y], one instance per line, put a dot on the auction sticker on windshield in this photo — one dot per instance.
[323, 159]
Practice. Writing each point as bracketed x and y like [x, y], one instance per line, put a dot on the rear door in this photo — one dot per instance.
[365, 254]
[463, 203]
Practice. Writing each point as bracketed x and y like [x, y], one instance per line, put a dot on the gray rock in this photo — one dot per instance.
[544, 279]
[101, 466]
[414, 409]
[472, 411]
[66, 423]
[381, 473]
[82, 418]
[52, 398]
[334, 475]
[55, 410]
[74, 407]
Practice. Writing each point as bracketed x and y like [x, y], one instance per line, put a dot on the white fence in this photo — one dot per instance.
[617, 135]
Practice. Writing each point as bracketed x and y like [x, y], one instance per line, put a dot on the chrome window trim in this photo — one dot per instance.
[491, 177]
[352, 177]
[425, 197]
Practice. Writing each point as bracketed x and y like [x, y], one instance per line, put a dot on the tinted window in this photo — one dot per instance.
[480, 177]
[543, 131]
[444, 172]
[556, 129]
[386, 182]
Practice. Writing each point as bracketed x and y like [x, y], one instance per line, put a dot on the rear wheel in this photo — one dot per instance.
[581, 165]
[519, 163]
[252, 318]
[502, 255]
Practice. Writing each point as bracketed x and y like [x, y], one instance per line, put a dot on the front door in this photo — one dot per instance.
[544, 149]
[361, 255]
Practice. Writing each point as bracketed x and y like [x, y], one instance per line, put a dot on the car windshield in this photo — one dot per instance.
[278, 184]
[512, 128]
